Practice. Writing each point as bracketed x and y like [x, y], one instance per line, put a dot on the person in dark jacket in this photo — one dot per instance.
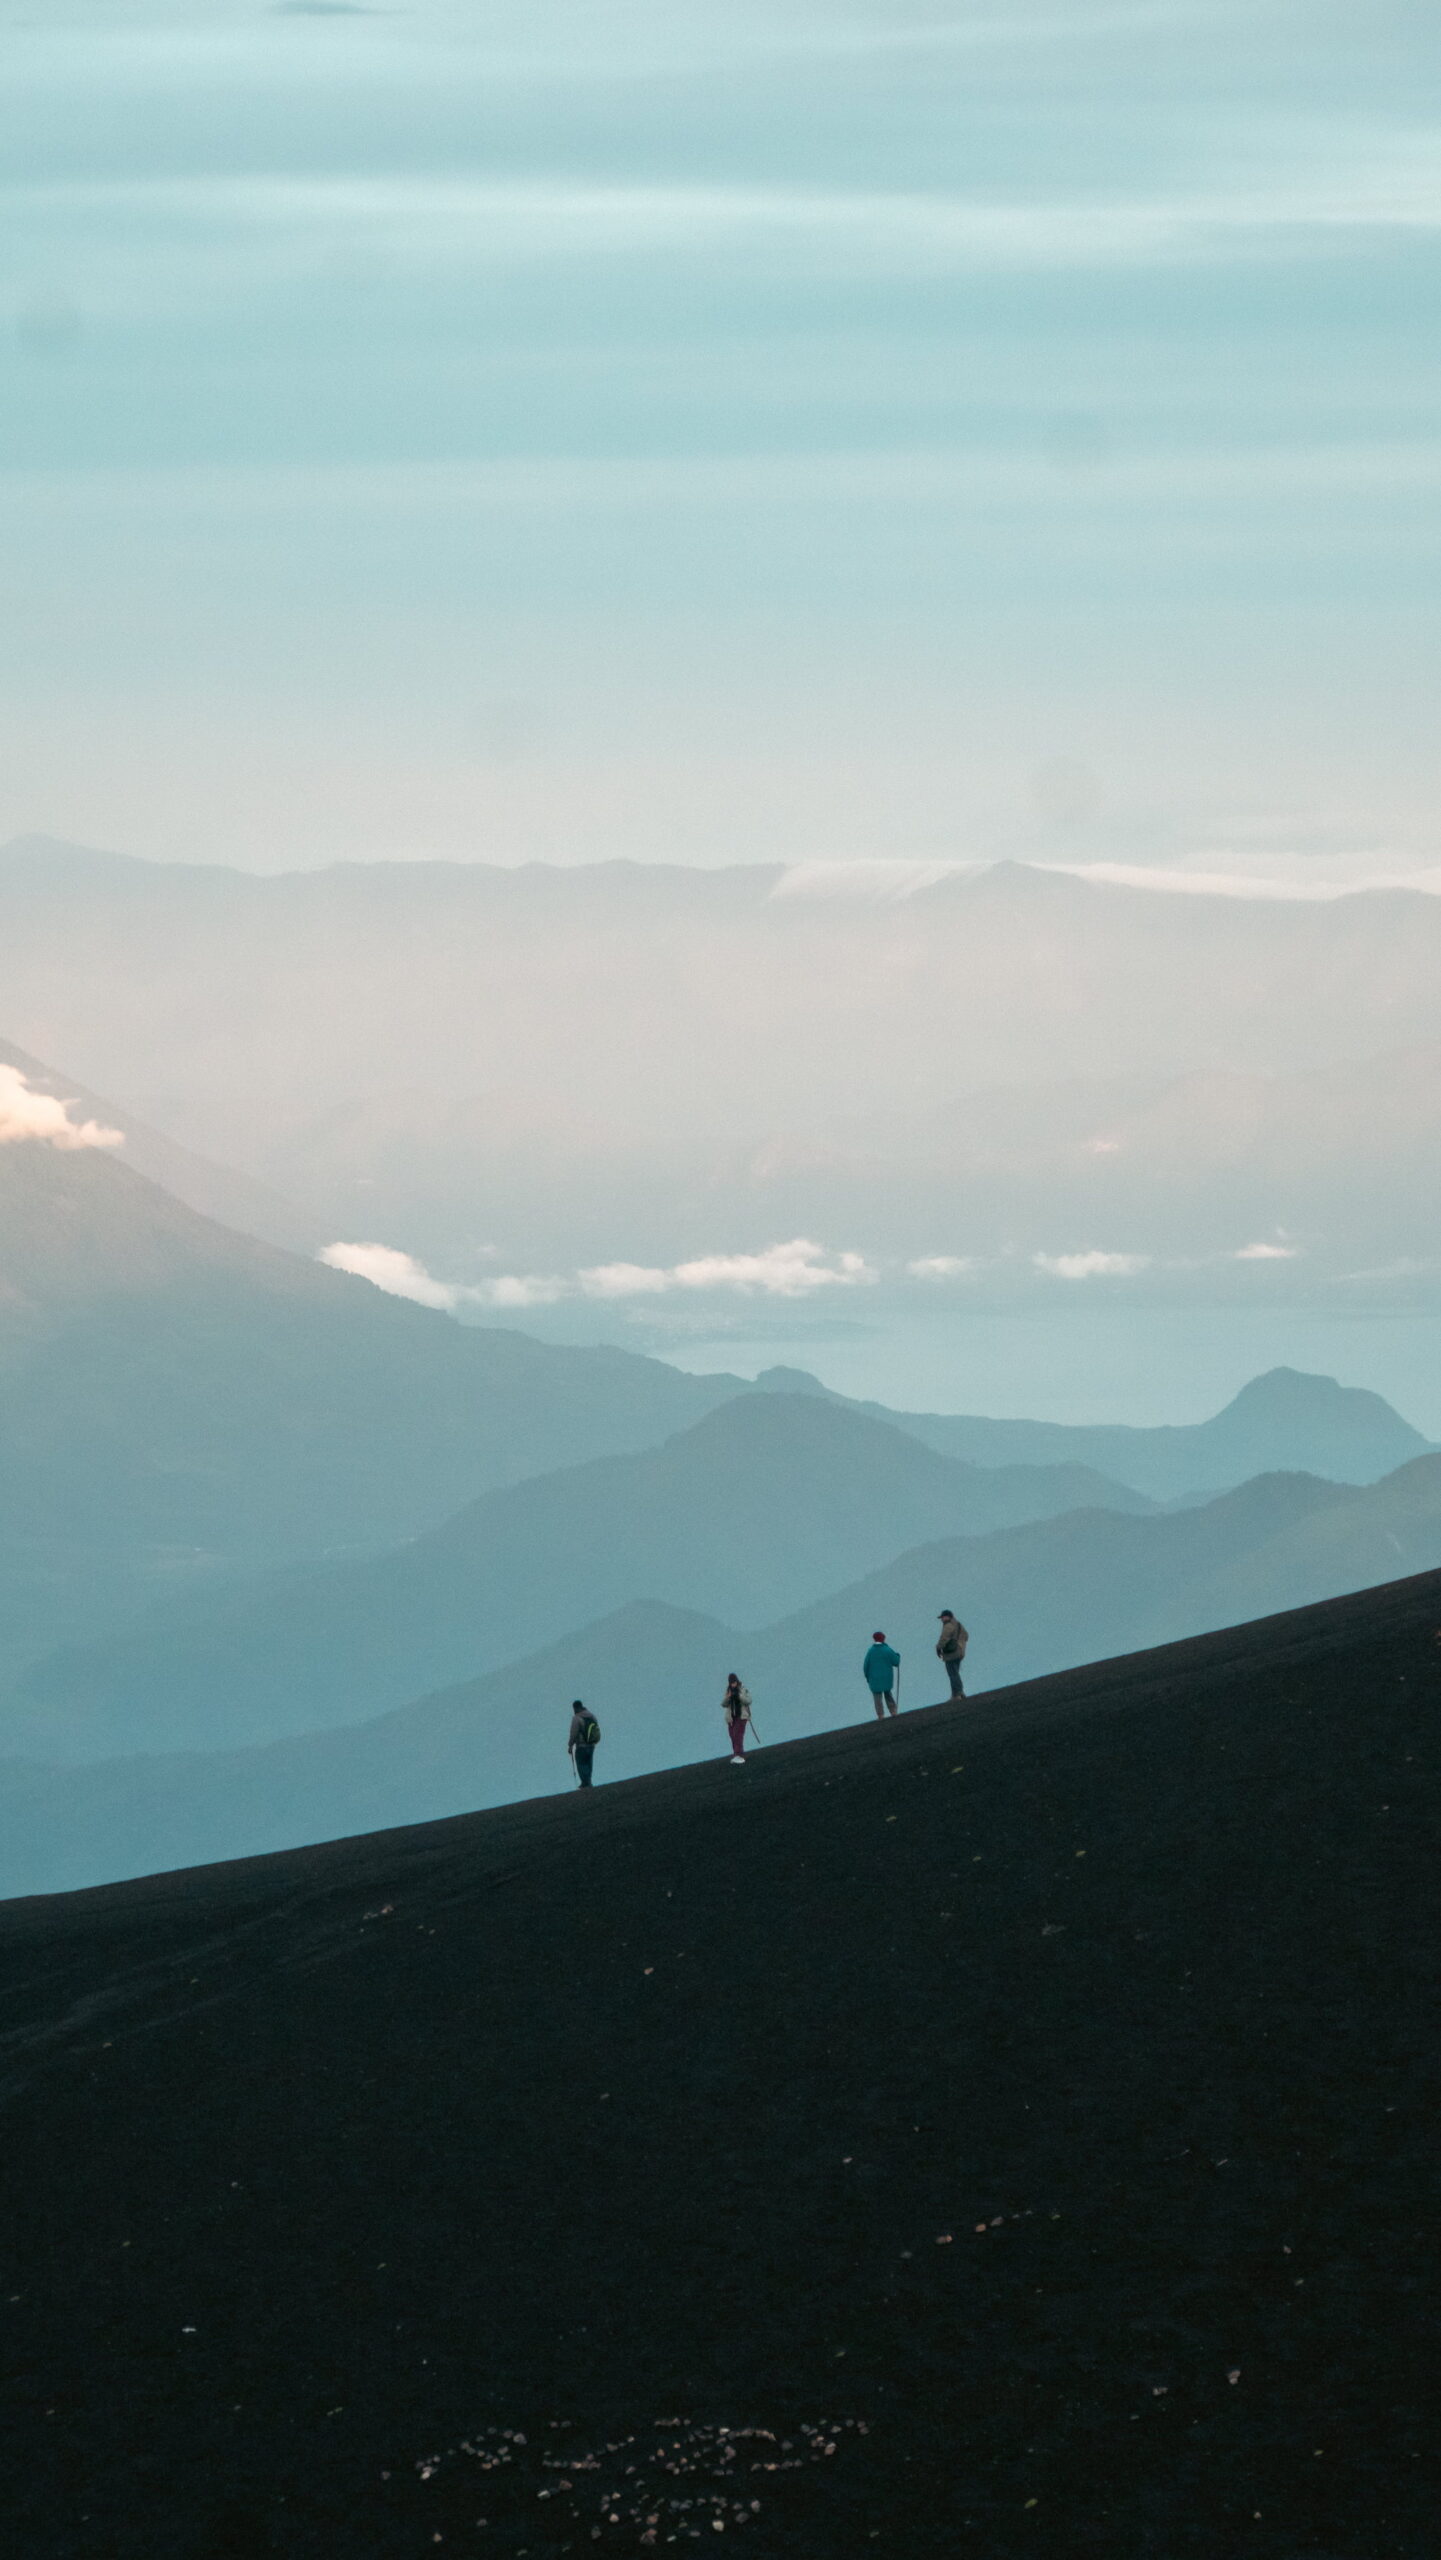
[880, 1667]
[584, 1735]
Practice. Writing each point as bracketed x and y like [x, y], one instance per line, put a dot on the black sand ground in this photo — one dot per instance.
[1012, 2126]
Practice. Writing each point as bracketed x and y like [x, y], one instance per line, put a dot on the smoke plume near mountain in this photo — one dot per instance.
[27, 1117]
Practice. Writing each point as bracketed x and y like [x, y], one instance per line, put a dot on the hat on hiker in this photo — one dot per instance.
[878, 1635]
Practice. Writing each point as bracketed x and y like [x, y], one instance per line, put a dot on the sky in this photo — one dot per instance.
[827, 433]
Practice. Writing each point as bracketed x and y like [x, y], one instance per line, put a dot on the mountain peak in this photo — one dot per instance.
[1286, 1390]
[21, 852]
[1286, 1395]
[1332, 1429]
[783, 1381]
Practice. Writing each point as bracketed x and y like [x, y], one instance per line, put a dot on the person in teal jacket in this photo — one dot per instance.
[880, 1667]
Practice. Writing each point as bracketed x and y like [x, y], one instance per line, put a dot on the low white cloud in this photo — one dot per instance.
[625, 1280]
[402, 1276]
[1266, 1253]
[399, 1274]
[940, 1266]
[43, 1119]
[1092, 1266]
[516, 1289]
[794, 1270]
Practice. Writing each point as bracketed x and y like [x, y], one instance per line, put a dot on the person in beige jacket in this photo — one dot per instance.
[952, 1649]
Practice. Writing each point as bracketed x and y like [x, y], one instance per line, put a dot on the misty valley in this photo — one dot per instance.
[297, 1543]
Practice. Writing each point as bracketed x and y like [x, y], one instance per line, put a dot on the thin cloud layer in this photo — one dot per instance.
[800, 1269]
[794, 1270]
[43, 1119]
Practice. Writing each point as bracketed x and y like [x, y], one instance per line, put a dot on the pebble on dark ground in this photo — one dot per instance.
[1005, 2131]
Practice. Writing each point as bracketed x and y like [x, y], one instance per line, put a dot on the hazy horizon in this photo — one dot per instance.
[1004, 1140]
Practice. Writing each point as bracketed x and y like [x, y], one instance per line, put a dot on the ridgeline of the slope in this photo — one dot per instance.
[1006, 2130]
[1046, 1597]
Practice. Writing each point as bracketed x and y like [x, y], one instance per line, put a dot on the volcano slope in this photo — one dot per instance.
[1005, 2130]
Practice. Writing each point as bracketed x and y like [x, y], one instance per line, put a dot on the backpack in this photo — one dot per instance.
[589, 1734]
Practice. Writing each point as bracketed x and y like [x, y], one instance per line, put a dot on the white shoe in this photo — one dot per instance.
[737, 1760]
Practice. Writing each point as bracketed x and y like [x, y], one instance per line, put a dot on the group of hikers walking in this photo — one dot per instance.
[881, 1672]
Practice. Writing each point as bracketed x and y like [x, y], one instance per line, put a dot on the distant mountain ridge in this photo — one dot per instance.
[179, 1400]
[182, 1404]
[746, 1514]
[1050, 1596]
[211, 1190]
[1177, 1076]
[1286, 1419]
[1055, 1593]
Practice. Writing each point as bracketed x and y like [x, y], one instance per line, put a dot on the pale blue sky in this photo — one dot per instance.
[721, 433]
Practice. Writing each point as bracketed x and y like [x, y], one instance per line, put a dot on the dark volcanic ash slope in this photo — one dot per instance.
[1030, 2102]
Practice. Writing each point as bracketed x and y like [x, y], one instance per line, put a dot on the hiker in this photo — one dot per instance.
[952, 1648]
[584, 1735]
[736, 1708]
[880, 1667]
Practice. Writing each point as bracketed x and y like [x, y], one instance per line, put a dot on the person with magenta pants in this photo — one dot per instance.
[736, 1708]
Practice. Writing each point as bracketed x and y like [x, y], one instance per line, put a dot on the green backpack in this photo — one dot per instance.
[589, 1734]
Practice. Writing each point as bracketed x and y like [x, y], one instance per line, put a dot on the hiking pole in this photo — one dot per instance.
[898, 1688]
